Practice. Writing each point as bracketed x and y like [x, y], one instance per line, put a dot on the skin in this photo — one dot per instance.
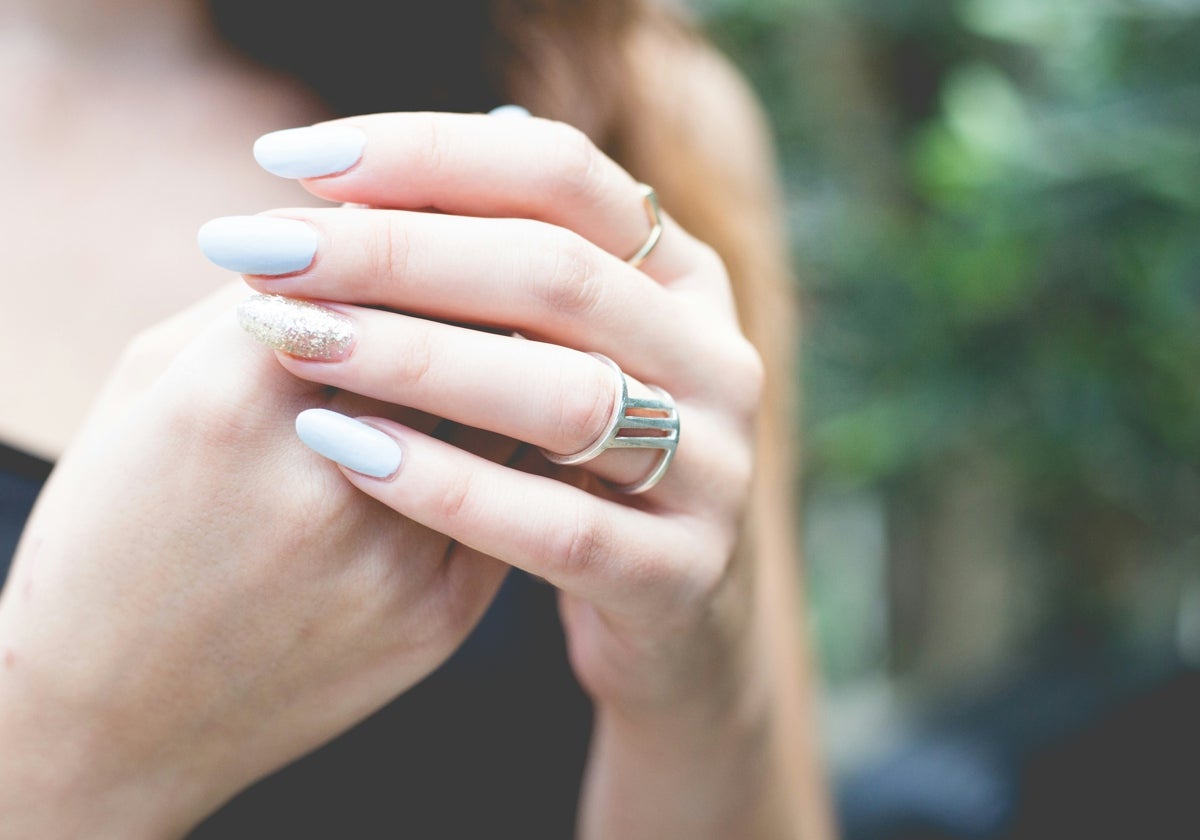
[175, 627]
[626, 567]
[211, 656]
[120, 113]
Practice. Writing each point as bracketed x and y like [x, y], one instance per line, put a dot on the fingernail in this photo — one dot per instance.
[310, 152]
[297, 327]
[510, 111]
[258, 244]
[348, 442]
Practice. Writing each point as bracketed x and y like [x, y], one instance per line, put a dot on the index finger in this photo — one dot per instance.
[477, 165]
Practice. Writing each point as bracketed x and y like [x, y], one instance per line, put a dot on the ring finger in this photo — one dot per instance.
[553, 397]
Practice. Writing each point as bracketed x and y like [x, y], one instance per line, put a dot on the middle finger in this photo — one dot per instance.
[544, 394]
[541, 280]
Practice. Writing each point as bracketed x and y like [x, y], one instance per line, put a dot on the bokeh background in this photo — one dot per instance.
[995, 206]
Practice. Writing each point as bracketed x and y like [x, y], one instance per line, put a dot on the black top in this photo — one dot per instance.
[490, 745]
[21, 479]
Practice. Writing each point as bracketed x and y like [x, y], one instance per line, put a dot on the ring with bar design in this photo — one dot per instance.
[654, 424]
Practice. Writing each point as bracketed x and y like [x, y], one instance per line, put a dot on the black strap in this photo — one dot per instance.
[23, 464]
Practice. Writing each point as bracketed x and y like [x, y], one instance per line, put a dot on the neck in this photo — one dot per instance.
[117, 31]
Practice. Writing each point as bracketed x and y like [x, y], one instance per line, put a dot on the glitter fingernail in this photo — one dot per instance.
[297, 327]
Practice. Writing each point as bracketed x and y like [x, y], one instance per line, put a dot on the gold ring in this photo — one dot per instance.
[654, 215]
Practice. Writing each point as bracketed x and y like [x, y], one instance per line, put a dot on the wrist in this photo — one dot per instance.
[711, 763]
[686, 777]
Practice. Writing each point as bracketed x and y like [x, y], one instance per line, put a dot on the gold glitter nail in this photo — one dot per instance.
[297, 327]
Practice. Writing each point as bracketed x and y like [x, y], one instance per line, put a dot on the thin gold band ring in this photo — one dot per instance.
[654, 215]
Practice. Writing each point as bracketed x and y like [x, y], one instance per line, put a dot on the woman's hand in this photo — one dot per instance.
[198, 599]
[534, 229]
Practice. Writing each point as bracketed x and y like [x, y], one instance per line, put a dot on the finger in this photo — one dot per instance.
[550, 396]
[618, 557]
[146, 358]
[476, 165]
[540, 280]
[203, 353]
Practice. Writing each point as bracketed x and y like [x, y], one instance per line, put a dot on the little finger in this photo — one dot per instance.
[630, 561]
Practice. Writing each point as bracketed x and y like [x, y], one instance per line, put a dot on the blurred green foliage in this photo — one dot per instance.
[996, 212]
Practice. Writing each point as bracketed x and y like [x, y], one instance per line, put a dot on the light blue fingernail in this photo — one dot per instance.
[310, 152]
[510, 111]
[258, 244]
[348, 442]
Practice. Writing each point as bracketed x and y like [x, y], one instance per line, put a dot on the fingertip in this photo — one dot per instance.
[349, 442]
[259, 245]
[313, 151]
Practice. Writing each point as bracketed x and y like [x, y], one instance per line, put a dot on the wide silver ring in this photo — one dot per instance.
[635, 423]
[654, 216]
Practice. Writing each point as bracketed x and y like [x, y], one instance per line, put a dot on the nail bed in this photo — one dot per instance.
[312, 152]
[264, 245]
[349, 442]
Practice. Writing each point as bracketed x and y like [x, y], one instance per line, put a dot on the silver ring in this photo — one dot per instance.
[656, 415]
[654, 215]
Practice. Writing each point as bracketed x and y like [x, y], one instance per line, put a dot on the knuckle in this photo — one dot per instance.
[581, 548]
[388, 251]
[575, 160]
[746, 375]
[751, 369]
[740, 473]
[711, 562]
[214, 395]
[714, 576]
[412, 367]
[571, 286]
[453, 498]
[460, 599]
[215, 422]
[586, 411]
[433, 151]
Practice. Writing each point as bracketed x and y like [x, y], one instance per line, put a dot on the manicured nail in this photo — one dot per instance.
[510, 111]
[297, 327]
[310, 152]
[258, 244]
[348, 442]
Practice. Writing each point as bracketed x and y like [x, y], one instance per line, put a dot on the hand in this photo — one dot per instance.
[534, 229]
[199, 600]
[687, 655]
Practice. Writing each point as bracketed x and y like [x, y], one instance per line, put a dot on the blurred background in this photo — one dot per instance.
[995, 206]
